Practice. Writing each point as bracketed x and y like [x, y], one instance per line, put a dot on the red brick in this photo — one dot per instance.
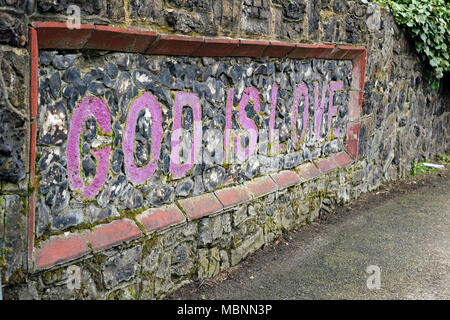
[261, 186]
[278, 49]
[232, 196]
[352, 139]
[355, 105]
[216, 47]
[143, 41]
[342, 159]
[327, 165]
[56, 35]
[308, 171]
[111, 38]
[161, 218]
[248, 48]
[200, 206]
[114, 233]
[311, 51]
[175, 45]
[285, 179]
[60, 249]
[359, 71]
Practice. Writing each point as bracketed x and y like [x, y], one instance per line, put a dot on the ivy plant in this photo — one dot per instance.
[428, 24]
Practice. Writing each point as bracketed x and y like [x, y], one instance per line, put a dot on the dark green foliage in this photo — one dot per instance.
[428, 24]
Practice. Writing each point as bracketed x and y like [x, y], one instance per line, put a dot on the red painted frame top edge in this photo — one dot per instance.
[56, 35]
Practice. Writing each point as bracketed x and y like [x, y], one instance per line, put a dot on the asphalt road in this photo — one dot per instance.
[403, 230]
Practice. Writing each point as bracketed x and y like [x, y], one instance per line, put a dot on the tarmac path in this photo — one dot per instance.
[402, 230]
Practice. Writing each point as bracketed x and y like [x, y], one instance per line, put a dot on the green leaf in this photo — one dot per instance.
[434, 85]
[434, 62]
[428, 24]
[423, 37]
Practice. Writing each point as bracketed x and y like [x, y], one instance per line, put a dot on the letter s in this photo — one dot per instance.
[250, 94]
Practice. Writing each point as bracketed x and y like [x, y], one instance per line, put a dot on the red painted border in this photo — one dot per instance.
[56, 35]
[216, 47]
[34, 56]
[304, 51]
[161, 218]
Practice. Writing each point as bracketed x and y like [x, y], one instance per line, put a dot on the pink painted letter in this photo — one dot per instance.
[273, 108]
[318, 109]
[149, 102]
[228, 114]
[332, 110]
[98, 109]
[248, 124]
[182, 99]
[301, 90]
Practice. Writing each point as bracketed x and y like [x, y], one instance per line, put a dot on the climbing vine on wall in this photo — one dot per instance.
[428, 24]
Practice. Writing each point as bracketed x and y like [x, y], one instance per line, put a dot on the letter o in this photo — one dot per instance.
[134, 174]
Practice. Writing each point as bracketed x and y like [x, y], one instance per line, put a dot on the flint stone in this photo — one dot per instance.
[144, 123]
[89, 168]
[68, 219]
[12, 167]
[97, 214]
[73, 76]
[55, 175]
[45, 58]
[54, 128]
[248, 246]
[252, 167]
[184, 187]
[111, 70]
[118, 186]
[160, 195]
[182, 263]
[213, 177]
[42, 218]
[122, 267]
[55, 85]
[63, 62]
[143, 79]
[96, 88]
[292, 160]
[13, 234]
[116, 161]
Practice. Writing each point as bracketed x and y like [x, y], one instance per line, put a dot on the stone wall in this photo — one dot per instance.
[125, 186]
[402, 119]
[14, 139]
